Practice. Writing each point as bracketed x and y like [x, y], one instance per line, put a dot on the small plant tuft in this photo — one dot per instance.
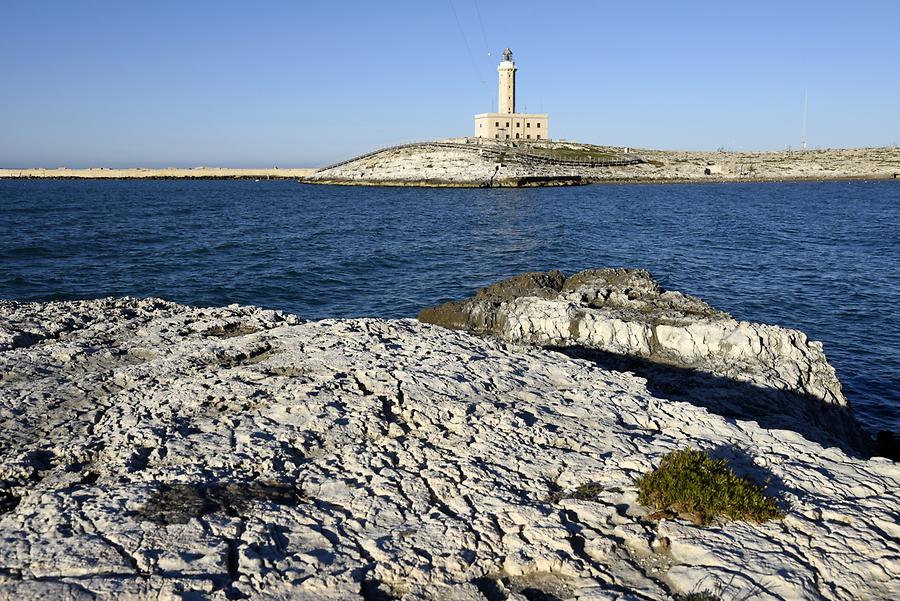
[588, 492]
[691, 483]
[701, 596]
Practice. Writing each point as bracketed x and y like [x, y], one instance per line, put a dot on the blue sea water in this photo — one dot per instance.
[820, 256]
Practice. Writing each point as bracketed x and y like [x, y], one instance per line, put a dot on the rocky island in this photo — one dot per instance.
[511, 148]
[486, 163]
[150, 449]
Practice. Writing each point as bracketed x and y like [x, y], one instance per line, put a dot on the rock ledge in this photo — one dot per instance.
[152, 450]
[739, 368]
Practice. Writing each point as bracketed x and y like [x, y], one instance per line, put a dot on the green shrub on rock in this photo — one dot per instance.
[693, 484]
[588, 492]
[701, 596]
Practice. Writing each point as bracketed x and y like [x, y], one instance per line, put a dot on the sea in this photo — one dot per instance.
[823, 257]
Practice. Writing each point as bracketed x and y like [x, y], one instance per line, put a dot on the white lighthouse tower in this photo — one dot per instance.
[507, 124]
[507, 71]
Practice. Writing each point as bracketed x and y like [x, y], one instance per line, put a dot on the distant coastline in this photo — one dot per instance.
[478, 163]
[166, 173]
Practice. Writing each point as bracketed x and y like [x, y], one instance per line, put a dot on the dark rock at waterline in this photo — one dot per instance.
[887, 444]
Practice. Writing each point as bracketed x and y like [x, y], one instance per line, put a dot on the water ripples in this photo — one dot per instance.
[823, 257]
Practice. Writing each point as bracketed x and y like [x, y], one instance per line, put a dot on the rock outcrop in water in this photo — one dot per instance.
[151, 450]
[678, 342]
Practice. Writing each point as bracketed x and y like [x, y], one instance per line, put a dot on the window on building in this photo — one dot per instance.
[528, 125]
[528, 136]
[507, 136]
[517, 135]
[497, 136]
[507, 124]
[539, 136]
[496, 124]
[518, 124]
[539, 125]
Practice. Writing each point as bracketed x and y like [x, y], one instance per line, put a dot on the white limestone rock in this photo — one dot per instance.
[480, 162]
[235, 452]
[685, 348]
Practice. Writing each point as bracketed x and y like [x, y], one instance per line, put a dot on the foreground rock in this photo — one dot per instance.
[153, 450]
[623, 319]
[476, 162]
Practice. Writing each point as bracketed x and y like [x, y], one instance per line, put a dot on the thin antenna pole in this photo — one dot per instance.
[803, 129]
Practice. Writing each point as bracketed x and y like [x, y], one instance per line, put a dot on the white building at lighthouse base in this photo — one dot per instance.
[512, 126]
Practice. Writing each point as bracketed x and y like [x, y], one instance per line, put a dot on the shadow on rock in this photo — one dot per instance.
[178, 503]
[887, 444]
[623, 320]
[734, 400]
[8, 501]
[744, 466]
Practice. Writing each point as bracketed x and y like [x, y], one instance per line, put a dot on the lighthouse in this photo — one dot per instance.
[506, 123]
[507, 71]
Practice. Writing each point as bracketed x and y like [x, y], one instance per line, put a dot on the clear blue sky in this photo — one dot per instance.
[303, 83]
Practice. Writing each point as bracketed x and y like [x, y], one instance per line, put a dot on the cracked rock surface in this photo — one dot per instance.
[687, 349]
[149, 449]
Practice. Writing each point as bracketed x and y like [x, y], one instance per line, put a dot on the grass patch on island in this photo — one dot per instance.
[577, 154]
[691, 483]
